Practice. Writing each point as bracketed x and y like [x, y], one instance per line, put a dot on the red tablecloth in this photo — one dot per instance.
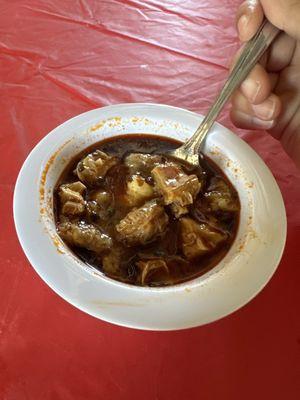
[59, 58]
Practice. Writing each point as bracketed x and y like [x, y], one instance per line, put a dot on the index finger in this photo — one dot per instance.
[248, 19]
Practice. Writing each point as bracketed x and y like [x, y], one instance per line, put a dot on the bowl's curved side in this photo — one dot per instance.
[244, 271]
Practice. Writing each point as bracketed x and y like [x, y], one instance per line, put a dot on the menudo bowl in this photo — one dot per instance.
[245, 270]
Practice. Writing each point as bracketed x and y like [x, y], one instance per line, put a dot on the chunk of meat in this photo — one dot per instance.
[94, 167]
[138, 191]
[100, 204]
[71, 198]
[142, 163]
[111, 262]
[178, 210]
[102, 197]
[198, 239]
[220, 198]
[176, 187]
[142, 225]
[202, 214]
[151, 269]
[84, 235]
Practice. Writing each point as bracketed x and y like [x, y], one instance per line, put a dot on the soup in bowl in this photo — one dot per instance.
[141, 217]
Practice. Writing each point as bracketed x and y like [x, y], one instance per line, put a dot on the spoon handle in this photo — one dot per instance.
[250, 55]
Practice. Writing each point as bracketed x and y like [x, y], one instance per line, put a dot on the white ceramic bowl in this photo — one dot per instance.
[243, 272]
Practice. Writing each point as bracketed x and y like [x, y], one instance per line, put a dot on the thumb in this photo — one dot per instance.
[285, 14]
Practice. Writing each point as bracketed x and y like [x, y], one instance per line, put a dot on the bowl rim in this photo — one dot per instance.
[171, 289]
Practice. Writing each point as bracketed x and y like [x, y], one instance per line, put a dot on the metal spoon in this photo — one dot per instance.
[249, 56]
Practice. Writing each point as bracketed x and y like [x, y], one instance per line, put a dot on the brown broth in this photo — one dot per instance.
[166, 246]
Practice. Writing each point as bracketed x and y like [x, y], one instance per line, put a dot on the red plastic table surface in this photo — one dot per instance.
[59, 58]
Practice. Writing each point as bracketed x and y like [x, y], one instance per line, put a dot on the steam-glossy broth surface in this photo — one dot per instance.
[172, 241]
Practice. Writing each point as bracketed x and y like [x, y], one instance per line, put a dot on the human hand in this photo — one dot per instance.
[269, 98]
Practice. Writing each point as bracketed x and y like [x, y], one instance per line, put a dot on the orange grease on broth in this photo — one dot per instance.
[46, 170]
[57, 244]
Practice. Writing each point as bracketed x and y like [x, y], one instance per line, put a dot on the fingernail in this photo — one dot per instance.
[254, 122]
[242, 25]
[265, 110]
[252, 4]
[251, 89]
[261, 123]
